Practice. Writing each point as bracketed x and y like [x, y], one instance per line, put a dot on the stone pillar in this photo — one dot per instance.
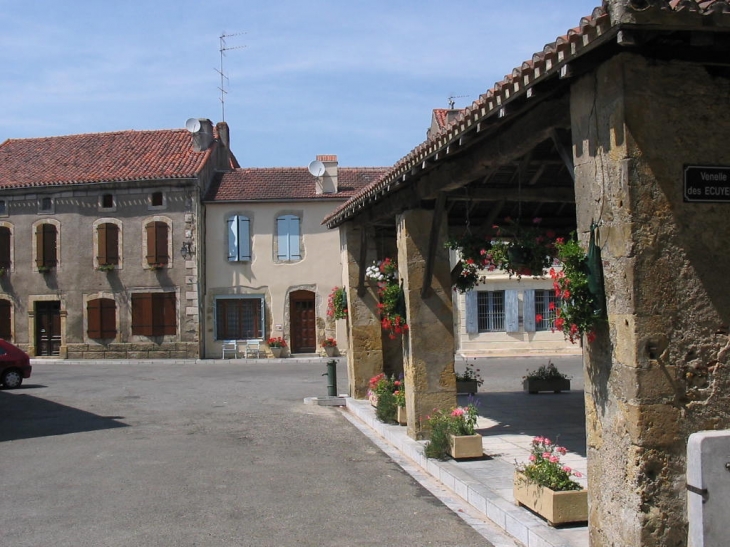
[659, 371]
[429, 345]
[365, 357]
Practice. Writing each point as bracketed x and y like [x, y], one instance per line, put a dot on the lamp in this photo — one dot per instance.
[186, 250]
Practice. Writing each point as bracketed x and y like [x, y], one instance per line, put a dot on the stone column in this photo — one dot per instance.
[429, 345]
[659, 371]
[365, 357]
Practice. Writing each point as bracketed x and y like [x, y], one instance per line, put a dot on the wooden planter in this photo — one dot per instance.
[557, 385]
[402, 416]
[466, 446]
[467, 386]
[555, 507]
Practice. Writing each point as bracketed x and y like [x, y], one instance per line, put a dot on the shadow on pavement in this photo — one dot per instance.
[26, 417]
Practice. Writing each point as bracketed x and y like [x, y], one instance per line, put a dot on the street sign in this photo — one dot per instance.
[709, 184]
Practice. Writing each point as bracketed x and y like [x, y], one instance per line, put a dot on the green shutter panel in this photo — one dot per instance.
[528, 310]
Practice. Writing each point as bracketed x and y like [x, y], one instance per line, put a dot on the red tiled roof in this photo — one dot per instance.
[591, 32]
[439, 115]
[288, 183]
[99, 157]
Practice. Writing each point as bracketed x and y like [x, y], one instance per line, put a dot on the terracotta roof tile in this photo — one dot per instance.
[287, 183]
[554, 55]
[99, 157]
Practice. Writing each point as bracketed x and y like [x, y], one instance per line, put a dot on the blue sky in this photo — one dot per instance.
[353, 78]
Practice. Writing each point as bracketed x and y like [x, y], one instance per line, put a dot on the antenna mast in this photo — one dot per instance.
[451, 100]
[223, 48]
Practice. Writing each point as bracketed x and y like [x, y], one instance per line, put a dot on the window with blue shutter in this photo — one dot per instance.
[528, 310]
[239, 239]
[490, 314]
[511, 311]
[287, 230]
[472, 324]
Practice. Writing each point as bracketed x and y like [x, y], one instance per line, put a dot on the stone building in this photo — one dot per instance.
[98, 241]
[635, 104]
[270, 264]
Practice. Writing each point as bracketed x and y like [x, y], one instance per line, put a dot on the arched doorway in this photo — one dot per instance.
[303, 322]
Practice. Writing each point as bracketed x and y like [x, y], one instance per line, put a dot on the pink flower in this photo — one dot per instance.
[577, 474]
[457, 412]
[533, 457]
[554, 459]
[547, 441]
[546, 455]
[567, 469]
[560, 450]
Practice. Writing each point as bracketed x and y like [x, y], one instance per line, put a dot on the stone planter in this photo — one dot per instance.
[330, 350]
[532, 385]
[276, 352]
[555, 507]
[466, 446]
[467, 386]
[402, 416]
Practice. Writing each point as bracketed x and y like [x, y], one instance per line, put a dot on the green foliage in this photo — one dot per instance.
[387, 409]
[546, 372]
[337, 304]
[545, 468]
[442, 424]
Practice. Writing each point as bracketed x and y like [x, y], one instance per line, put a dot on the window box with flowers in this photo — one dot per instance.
[469, 380]
[45, 269]
[452, 433]
[392, 303]
[106, 267]
[579, 285]
[544, 485]
[157, 266]
[337, 304]
[330, 346]
[276, 345]
[546, 378]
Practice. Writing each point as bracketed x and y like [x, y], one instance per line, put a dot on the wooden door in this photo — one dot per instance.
[48, 328]
[303, 322]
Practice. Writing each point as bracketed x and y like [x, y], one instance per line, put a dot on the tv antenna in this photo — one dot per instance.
[451, 100]
[223, 48]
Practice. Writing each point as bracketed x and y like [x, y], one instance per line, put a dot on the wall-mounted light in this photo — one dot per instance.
[186, 250]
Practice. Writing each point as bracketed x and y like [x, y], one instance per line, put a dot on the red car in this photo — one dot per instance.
[14, 365]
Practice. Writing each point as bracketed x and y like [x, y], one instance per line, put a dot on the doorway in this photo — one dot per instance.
[303, 322]
[48, 328]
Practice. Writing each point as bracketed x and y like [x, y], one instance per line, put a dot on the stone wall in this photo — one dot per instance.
[659, 370]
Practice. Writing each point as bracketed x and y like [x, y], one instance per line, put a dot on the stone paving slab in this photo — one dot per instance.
[485, 484]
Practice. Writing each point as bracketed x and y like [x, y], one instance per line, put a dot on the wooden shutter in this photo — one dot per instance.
[46, 245]
[5, 330]
[164, 314]
[4, 247]
[511, 311]
[157, 243]
[93, 311]
[142, 314]
[528, 310]
[471, 312]
[102, 318]
[108, 251]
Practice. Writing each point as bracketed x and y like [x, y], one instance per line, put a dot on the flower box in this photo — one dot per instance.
[402, 416]
[466, 446]
[555, 507]
[556, 385]
[467, 386]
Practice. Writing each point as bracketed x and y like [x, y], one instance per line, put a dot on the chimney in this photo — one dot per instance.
[327, 183]
[203, 137]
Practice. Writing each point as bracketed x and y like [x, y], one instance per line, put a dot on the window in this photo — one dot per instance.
[45, 205]
[46, 243]
[490, 311]
[239, 240]
[157, 199]
[157, 233]
[239, 318]
[107, 201]
[108, 244]
[546, 304]
[3, 207]
[102, 318]
[5, 247]
[6, 332]
[153, 314]
[287, 230]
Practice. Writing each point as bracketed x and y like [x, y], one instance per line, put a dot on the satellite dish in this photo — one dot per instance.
[192, 125]
[316, 168]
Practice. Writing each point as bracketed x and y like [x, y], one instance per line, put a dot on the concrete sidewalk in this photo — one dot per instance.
[508, 422]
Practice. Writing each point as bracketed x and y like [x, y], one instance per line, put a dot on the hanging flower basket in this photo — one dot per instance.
[337, 304]
[392, 303]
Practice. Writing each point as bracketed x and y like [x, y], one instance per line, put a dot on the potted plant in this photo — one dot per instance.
[330, 346]
[382, 395]
[392, 303]
[45, 269]
[582, 304]
[400, 403]
[157, 266]
[337, 304]
[452, 434]
[469, 380]
[544, 485]
[276, 345]
[473, 254]
[546, 378]
[106, 267]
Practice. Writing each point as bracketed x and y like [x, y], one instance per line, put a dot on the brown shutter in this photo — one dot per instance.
[151, 243]
[165, 320]
[93, 309]
[46, 245]
[5, 331]
[161, 242]
[142, 314]
[39, 247]
[108, 317]
[112, 244]
[101, 254]
[4, 247]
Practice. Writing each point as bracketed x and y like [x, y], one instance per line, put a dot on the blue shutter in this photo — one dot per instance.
[282, 233]
[294, 238]
[232, 238]
[511, 313]
[244, 239]
[528, 310]
[472, 323]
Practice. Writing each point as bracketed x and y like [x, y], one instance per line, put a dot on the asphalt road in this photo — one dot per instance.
[200, 455]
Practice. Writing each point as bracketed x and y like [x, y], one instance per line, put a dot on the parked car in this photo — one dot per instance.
[14, 365]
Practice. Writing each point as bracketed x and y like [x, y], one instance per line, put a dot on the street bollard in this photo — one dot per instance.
[331, 378]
